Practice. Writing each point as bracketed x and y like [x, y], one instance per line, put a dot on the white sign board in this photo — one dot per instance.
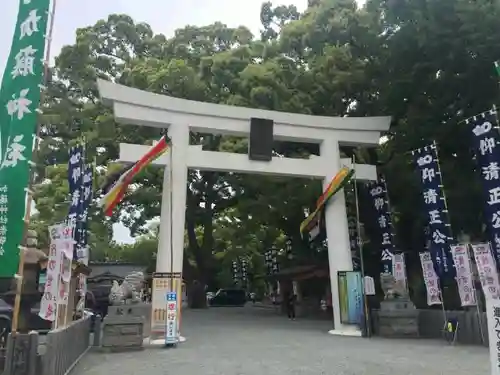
[430, 279]
[465, 283]
[486, 267]
[369, 286]
[171, 328]
[399, 269]
[60, 235]
[493, 316]
[163, 283]
[158, 308]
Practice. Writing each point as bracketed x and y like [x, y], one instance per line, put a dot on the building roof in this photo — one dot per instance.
[114, 269]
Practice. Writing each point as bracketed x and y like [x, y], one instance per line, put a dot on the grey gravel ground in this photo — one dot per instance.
[241, 341]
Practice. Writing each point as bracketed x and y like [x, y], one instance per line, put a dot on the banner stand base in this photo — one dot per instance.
[160, 342]
[346, 332]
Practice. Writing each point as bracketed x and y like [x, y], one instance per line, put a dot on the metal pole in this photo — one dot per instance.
[476, 293]
[20, 270]
[360, 244]
[449, 222]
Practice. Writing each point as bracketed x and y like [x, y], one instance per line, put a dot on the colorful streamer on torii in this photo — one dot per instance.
[337, 183]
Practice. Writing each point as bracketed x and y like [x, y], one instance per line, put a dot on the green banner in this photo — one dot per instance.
[19, 101]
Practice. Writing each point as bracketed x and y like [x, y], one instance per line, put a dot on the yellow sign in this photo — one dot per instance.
[159, 315]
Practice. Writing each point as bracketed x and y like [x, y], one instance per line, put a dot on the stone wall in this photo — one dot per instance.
[471, 326]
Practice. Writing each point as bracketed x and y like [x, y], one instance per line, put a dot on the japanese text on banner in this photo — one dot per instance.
[3, 217]
[493, 318]
[86, 199]
[399, 270]
[431, 280]
[378, 194]
[464, 279]
[82, 252]
[75, 180]
[354, 240]
[50, 299]
[19, 101]
[439, 234]
[487, 270]
[61, 236]
[485, 138]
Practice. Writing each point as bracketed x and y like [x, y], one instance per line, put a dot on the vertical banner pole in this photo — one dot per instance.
[360, 244]
[426, 160]
[20, 272]
[476, 293]
[445, 202]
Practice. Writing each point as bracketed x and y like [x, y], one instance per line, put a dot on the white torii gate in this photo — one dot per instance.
[180, 116]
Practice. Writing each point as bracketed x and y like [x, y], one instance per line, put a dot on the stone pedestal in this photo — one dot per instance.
[398, 318]
[29, 295]
[123, 328]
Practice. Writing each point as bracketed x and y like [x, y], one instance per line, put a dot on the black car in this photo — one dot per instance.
[229, 297]
[35, 323]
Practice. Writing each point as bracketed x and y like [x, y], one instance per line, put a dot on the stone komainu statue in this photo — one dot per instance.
[128, 291]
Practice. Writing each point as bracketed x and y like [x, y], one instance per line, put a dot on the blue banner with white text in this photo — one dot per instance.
[439, 236]
[75, 180]
[81, 236]
[378, 195]
[486, 140]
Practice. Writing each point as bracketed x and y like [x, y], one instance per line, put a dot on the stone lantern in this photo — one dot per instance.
[30, 295]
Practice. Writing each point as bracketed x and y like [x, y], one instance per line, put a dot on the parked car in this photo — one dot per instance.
[35, 323]
[229, 297]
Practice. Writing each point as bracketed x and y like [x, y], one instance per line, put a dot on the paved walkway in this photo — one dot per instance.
[244, 341]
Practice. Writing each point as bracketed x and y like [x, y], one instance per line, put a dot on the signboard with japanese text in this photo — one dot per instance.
[171, 336]
[486, 140]
[61, 235]
[164, 283]
[19, 102]
[369, 284]
[493, 317]
[486, 268]
[399, 270]
[439, 230]
[464, 278]
[431, 279]
[50, 298]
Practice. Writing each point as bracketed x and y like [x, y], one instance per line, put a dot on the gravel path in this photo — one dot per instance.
[241, 341]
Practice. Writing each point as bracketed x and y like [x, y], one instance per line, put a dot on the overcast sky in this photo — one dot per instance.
[164, 16]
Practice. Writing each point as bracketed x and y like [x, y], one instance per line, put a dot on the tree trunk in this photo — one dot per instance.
[197, 296]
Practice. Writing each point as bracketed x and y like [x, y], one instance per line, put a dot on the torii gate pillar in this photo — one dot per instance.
[181, 116]
[173, 207]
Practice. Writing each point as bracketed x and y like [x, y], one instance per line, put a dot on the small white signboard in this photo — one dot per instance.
[369, 286]
[171, 328]
[493, 316]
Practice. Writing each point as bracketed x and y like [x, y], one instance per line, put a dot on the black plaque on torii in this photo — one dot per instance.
[260, 146]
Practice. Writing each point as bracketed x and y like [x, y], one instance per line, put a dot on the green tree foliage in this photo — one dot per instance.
[427, 63]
